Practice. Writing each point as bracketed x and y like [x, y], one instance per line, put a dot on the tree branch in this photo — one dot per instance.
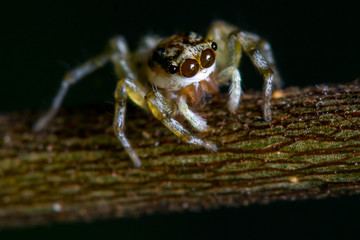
[77, 170]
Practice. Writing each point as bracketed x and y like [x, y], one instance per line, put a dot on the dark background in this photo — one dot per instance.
[314, 43]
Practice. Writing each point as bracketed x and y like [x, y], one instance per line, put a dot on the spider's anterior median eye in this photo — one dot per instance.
[189, 68]
[207, 58]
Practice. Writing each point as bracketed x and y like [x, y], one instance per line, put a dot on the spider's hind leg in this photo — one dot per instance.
[69, 79]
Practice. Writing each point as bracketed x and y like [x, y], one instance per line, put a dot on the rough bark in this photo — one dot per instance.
[77, 170]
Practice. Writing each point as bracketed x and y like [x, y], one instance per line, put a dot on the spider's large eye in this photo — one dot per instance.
[207, 58]
[189, 68]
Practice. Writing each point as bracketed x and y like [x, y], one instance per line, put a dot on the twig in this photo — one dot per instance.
[77, 170]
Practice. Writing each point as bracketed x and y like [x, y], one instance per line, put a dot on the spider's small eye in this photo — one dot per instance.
[207, 58]
[173, 69]
[214, 46]
[189, 68]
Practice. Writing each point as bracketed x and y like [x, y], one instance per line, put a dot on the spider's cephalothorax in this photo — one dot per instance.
[184, 64]
[172, 52]
[166, 76]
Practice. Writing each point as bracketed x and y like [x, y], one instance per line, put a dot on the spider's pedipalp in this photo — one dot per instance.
[195, 120]
[235, 91]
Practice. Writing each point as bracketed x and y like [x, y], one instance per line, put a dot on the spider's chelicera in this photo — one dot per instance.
[166, 76]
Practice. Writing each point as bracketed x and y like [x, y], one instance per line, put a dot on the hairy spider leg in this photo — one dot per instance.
[128, 85]
[230, 42]
[163, 110]
[260, 63]
[119, 119]
[69, 79]
[266, 51]
[194, 119]
[227, 60]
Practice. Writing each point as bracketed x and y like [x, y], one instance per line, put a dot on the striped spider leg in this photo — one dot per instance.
[231, 42]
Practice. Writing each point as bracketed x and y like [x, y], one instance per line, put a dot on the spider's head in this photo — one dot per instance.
[181, 60]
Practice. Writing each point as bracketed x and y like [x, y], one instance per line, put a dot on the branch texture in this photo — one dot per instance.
[77, 170]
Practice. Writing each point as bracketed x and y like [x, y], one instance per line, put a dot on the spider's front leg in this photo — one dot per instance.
[124, 87]
[163, 110]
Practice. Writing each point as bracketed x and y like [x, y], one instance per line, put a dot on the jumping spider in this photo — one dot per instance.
[163, 76]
